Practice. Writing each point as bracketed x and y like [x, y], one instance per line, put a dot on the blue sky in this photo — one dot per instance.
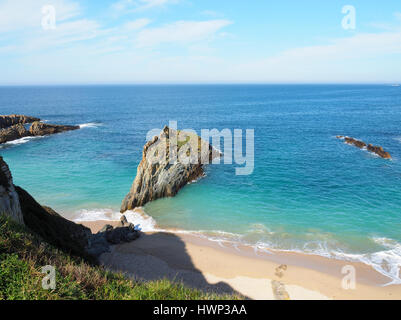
[202, 41]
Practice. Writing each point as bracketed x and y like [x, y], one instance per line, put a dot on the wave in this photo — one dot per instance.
[90, 125]
[137, 216]
[387, 262]
[20, 141]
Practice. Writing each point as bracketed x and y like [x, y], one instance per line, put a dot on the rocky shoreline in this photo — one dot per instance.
[12, 127]
[21, 207]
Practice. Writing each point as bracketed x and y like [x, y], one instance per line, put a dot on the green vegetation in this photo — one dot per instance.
[23, 254]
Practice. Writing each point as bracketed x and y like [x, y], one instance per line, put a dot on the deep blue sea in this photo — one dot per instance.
[309, 191]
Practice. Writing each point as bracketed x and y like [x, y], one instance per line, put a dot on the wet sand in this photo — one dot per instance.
[221, 267]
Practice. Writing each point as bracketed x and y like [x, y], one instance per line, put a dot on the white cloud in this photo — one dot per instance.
[140, 5]
[398, 15]
[136, 24]
[180, 32]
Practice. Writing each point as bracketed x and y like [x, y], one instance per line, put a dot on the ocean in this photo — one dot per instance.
[309, 192]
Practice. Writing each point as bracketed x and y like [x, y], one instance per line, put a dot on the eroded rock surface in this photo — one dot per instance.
[9, 200]
[12, 133]
[13, 119]
[42, 129]
[169, 162]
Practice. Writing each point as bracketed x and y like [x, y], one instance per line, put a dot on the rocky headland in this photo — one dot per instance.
[20, 206]
[12, 127]
[169, 162]
[362, 145]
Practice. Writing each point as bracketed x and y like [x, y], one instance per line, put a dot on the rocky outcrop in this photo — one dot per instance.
[10, 120]
[20, 206]
[52, 227]
[362, 145]
[169, 162]
[43, 129]
[12, 133]
[9, 200]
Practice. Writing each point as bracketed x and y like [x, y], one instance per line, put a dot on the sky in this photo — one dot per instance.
[199, 41]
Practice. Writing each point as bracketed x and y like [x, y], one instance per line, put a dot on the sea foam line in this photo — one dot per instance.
[387, 262]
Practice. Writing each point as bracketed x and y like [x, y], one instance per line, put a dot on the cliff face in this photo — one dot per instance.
[163, 171]
[9, 200]
[8, 121]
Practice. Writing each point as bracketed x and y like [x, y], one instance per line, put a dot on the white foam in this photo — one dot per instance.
[90, 125]
[21, 141]
[97, 214]
[386, 262]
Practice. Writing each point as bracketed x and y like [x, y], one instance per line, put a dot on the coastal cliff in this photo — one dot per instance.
[9, 200]
[18, 205]
[169, 162]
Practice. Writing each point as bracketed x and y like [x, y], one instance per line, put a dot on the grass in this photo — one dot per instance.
[23, 254]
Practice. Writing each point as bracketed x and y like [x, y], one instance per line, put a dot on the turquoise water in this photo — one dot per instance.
[309, 192]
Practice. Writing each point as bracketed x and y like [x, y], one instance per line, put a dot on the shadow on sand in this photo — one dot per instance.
[160, 256]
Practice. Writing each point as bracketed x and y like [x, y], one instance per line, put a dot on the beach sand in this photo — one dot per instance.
[221, 267]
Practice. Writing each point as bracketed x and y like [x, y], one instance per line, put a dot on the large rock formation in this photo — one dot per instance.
[169, 162]
[362, 145]
[42, 129]
[9, 200]
[10, 120]
[12, 133]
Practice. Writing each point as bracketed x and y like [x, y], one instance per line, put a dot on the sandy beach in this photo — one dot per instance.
[221, 267]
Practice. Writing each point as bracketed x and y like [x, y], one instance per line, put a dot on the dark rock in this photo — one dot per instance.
[360, 144]
[14, 132]
[42, 129]
[106, 228]
[52, 227]
[10, 120]
[160, 175]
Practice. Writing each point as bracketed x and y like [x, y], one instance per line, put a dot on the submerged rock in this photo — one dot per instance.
[361, 145]
[12, 133]
[42, 129]
[10, 120]
[169, 162]
[9, 199]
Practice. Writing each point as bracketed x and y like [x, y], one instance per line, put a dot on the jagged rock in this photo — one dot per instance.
[360, 144]
[42, 129]
[9, 199]
[14, 132]
[169, 162]
[106, 228]
[10, 120]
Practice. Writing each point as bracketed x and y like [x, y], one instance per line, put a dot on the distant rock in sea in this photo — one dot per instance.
[12, 128]
[164, 170]
[42, 129]
[361, 145]
[10, 120]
